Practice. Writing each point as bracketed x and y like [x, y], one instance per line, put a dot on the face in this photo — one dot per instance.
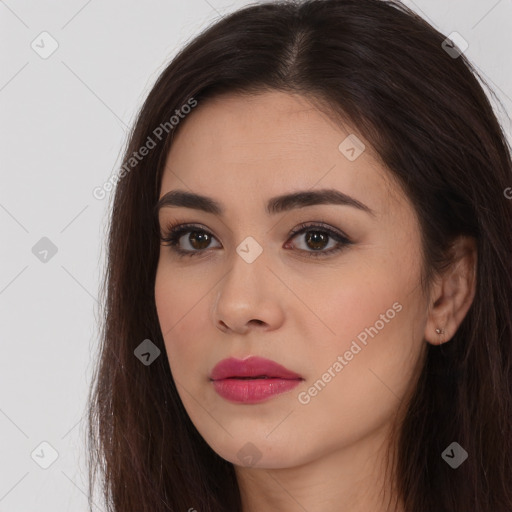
[328, 289]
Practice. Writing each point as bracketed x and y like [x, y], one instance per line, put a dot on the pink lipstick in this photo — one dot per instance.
[252, 380]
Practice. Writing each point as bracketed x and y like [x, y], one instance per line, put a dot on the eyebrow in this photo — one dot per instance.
[278, 204]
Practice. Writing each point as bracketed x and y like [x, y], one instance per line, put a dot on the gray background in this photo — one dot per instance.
[64, 122]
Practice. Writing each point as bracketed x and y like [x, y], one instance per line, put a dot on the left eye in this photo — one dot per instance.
[199, 239]
[316, 240]
[317, 237]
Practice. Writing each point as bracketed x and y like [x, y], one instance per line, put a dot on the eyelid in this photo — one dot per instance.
[323, 225]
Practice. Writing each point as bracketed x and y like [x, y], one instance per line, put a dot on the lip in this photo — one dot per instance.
[252, 380]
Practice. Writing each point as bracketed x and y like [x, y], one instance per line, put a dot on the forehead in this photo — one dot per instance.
[265, 126]
[247, 145]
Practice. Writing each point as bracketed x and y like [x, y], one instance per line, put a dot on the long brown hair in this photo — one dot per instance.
[386, 71]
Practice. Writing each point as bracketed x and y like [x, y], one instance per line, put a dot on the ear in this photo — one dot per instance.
[452, 293]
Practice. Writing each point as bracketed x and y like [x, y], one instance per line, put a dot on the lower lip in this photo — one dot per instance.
[251, 391]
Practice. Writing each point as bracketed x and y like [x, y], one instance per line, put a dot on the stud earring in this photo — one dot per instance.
[440, 331]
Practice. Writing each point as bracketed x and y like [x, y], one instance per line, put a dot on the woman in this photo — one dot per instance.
[309, 283]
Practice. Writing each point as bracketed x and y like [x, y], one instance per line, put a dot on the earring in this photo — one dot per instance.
[440, 331]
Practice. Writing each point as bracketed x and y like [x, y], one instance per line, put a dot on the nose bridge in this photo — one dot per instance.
[246, 293]
[248, 267]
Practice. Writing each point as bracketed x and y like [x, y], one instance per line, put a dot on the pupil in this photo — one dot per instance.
[318, 239]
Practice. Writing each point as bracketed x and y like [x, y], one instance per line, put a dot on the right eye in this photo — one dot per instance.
[198, 239]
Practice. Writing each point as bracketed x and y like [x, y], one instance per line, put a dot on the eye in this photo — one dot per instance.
[197, 240]
[317, 238]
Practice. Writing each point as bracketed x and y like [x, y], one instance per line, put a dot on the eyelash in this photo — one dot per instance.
[174, 231]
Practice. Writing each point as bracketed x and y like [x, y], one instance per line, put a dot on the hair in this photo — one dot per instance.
[380, 67]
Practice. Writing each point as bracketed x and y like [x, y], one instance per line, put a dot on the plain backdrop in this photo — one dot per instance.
[64, 121]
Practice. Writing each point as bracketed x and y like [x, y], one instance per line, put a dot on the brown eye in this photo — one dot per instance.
[197, 242]
[199, 239]
[316, 240]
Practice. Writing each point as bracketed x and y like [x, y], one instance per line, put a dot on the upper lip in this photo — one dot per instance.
[251, 366]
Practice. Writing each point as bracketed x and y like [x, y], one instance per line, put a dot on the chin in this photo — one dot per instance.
[255, 453]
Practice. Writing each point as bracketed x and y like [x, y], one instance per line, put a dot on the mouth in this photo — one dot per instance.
[258, 377]
[252, 380]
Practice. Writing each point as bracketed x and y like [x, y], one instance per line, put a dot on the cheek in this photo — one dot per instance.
[361, 373]
[355, 384]
[372, 327]
[179, 302]
[179, 294]
[353, 298]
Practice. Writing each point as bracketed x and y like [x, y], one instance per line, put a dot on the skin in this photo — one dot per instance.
[302, 312]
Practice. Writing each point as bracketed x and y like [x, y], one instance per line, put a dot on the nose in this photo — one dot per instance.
[246, 298]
